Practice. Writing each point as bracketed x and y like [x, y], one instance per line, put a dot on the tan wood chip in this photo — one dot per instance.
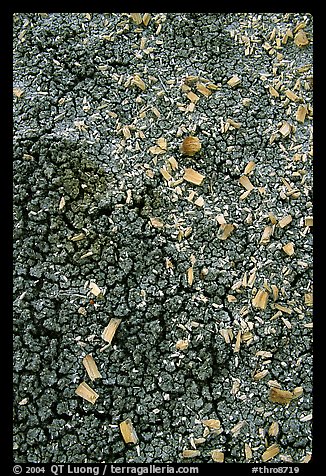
[217, 456]
[277, 395]
[182, 344]
[225, 231]
[87, 393]
[266, 236]
[285, 221]
[190, 453]
[270, 452]
[261, 299]
[111, 329]
[91, 367]
[212, 423]
[245, 182]
[192, 176]
[288, 249]
[128, 432]
[234, 81]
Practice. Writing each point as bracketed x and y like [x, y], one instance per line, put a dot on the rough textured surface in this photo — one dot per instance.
[83, 126]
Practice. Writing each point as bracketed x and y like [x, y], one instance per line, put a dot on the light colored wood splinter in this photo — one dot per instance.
[156, 222]
[292, 96]
[277, 395]
[190, 275]
[273, 92]
[285, 221]
[91, 367]
[288, 249]
[272, 218]
[237, 342]
[78, 237]
[193, 97]
[266, 236]
[62, 203]
[137, 81]
[190, 453]
[308, 221]
[245, 182]
[285, 129]
[261, 375]
[301, 113]
[85, 391]
[274, 291]
[136, 17]
[160, 147]
[212, 423]
[234, 81]
[200, 202]
[225, 231]
[260, 300]
[249, 167]
[297, 392]
[270, 452]
[110, 330]
[17, 92]
[146, 18]
[220, 219]
[182, 344]
[308, 299]
[192, 176]
[301, 39]
[203, 90]
[274, 429]
[166, 174]
[233, 123]
[128, 432]
[217, 456]
[94, 288]
[248, 451]
[236, 429]
[283, 308]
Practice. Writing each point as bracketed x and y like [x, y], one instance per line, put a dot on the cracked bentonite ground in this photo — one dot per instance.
[212, 281]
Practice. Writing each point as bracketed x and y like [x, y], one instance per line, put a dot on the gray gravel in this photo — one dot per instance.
[82, 133]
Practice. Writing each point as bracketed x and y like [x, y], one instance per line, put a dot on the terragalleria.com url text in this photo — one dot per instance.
[56, 469]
